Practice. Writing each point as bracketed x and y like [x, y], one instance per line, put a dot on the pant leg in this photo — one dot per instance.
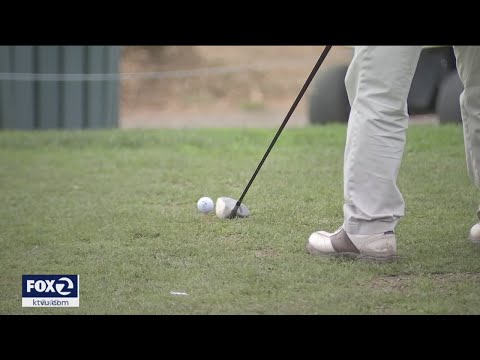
[468, 66]
[378, 81]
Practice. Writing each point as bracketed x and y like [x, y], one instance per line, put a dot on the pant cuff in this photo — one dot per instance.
[362, 227]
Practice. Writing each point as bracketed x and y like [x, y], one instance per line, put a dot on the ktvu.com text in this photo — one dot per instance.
[50, 290]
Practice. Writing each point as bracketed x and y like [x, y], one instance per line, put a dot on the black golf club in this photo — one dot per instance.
[290, 112]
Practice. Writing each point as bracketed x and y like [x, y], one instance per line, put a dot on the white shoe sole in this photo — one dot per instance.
[353, 256]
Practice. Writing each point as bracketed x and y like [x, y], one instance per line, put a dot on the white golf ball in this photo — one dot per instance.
[205, 205]
[475, 233]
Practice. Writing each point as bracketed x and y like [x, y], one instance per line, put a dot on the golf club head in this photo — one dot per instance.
[225, 205]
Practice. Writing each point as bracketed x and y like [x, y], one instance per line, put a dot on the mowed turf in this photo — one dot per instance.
[119, 209]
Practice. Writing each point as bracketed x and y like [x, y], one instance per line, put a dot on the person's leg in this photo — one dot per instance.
[378, 82]
[468, 66]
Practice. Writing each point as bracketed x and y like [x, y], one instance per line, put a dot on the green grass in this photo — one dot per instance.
[119, 208]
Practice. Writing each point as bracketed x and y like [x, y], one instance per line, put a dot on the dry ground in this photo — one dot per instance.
[245, 97]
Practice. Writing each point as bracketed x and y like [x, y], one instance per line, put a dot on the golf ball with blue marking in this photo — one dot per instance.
[205, 205]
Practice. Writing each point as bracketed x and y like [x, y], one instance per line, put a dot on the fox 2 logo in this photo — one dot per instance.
[50, 286]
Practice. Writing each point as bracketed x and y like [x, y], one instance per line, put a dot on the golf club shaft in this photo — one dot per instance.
[290, 112]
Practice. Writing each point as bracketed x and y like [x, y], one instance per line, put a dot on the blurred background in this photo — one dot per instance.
[74, 87]
[245, 85]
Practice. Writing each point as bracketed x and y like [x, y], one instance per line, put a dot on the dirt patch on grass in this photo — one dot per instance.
[440, 280]
[400, 282]
[265, 253]
[454, 277]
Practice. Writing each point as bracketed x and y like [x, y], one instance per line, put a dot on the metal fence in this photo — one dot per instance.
[37, 102]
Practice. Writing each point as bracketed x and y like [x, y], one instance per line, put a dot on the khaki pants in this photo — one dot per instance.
[378, 82]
